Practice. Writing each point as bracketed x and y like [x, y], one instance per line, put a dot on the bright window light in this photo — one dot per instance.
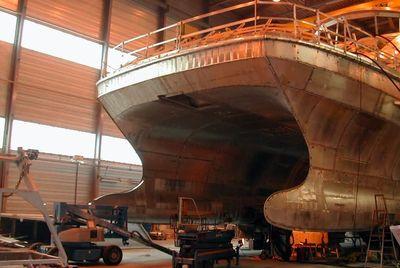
[118, 150]
[2, 122]
[53, 140]
[116, 59]
[7, 27]
[56, 43]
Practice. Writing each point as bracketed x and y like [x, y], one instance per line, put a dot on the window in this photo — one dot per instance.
[7, 31]
[116, 59]
[59, 44]
[118, 150]
[2, 122]
[50, 139]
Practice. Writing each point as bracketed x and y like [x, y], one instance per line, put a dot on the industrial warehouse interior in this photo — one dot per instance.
[200, 133]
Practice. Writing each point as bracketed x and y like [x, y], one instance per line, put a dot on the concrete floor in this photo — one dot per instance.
[140, 257]
[137, 256]
[150, 258]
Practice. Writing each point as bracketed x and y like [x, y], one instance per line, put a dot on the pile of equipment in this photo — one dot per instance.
[204, 248]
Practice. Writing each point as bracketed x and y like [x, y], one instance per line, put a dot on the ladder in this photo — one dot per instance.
[380, 238]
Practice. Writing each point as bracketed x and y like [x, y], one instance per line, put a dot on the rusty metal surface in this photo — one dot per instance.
[304, 134]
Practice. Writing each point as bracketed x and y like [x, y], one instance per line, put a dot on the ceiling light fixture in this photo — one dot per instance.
[276, 0]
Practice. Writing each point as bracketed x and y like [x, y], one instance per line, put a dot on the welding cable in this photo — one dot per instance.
[389, 41]
[380, 67]
[377, 64]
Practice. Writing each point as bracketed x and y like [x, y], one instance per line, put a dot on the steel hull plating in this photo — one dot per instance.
[303, 134]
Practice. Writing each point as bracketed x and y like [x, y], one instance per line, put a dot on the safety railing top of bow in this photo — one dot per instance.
[295, 21]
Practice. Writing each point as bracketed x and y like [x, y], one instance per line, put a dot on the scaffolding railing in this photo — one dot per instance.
[298, 22]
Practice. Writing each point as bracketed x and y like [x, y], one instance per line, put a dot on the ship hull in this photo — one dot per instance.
[304, 137]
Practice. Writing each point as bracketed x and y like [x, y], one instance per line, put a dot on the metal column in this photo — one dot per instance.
[107, 11]
[13, 77]
[161, 21]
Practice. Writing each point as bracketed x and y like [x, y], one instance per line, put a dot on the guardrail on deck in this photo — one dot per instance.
[298, 22]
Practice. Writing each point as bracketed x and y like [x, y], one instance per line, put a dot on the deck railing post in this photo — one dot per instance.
[255, 14]
[345, 35]
[147, 44]
[179, 35]
[122, 54]
[295, 20]
[376, 49]
[337, 33]
[318, 28]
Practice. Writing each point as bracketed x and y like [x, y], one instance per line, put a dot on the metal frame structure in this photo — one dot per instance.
[181, 201]
[32, 196]
[27, 258]
[13, 76]
[335, 33]
[107, 12]
[13, 83]
[164, 10]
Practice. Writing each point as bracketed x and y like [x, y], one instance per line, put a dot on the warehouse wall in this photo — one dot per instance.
[56, 176]
[9, 4]
[82, 16]
[180, 10]
[65, 88]
[5, 63]
[61, 93]
[58, 92]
